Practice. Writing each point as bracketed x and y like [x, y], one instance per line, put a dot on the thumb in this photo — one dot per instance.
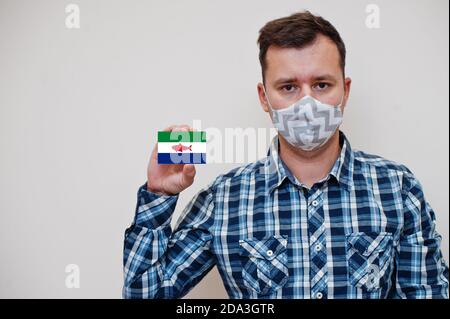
[188, 174]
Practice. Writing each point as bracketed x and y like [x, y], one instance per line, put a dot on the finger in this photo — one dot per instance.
[155, 150]
[169, 128]
[188, 174]
[179, 128]
[175, 127]
[184, 128]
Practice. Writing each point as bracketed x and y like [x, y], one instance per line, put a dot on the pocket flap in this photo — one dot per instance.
[367, 243]
[267, 247]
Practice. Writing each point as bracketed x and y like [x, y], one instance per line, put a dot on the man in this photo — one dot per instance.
[313, 219]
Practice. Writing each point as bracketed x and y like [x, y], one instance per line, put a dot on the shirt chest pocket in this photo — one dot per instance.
[264, 263]
[369, 257]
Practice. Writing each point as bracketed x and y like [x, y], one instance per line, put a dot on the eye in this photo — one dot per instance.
[288, 88]
[322, 86]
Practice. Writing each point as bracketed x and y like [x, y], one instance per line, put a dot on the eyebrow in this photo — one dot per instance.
[284, 81]
[321, 77]
[325, 77]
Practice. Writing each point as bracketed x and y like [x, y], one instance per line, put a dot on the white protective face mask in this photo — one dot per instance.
[308, 123]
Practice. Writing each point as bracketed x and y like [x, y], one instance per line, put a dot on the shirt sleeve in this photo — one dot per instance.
[421, 271]
[159, 263]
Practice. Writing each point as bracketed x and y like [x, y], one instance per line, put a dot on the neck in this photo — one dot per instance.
[310, 167]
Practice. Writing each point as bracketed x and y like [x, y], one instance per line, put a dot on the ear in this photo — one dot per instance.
[347, 86]
[262, 98]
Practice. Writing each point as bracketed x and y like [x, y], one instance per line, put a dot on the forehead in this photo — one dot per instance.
[321, 56]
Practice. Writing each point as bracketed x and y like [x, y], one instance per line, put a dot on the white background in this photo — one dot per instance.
[79, 111]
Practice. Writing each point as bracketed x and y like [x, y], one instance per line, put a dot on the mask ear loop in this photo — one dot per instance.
[340, 104]
[267, 98]
[342, 100]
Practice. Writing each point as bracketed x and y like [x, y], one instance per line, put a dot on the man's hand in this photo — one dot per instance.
[169, 179]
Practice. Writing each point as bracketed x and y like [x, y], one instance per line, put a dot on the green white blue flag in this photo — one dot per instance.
[182, 147]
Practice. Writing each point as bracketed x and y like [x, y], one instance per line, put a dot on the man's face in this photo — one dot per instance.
[314, 70]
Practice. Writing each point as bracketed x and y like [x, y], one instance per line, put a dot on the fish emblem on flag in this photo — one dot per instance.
[180, 147]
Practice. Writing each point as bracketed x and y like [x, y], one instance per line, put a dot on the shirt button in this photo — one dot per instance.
[315, 203]
[318, 247]
[319, 295]
[269, 253]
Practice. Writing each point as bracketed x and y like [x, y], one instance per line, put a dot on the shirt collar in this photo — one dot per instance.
[342, 170]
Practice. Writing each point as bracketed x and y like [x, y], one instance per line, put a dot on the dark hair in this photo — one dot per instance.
[297, 31]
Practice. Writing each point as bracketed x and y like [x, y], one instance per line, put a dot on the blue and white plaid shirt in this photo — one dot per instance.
[364, 231]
